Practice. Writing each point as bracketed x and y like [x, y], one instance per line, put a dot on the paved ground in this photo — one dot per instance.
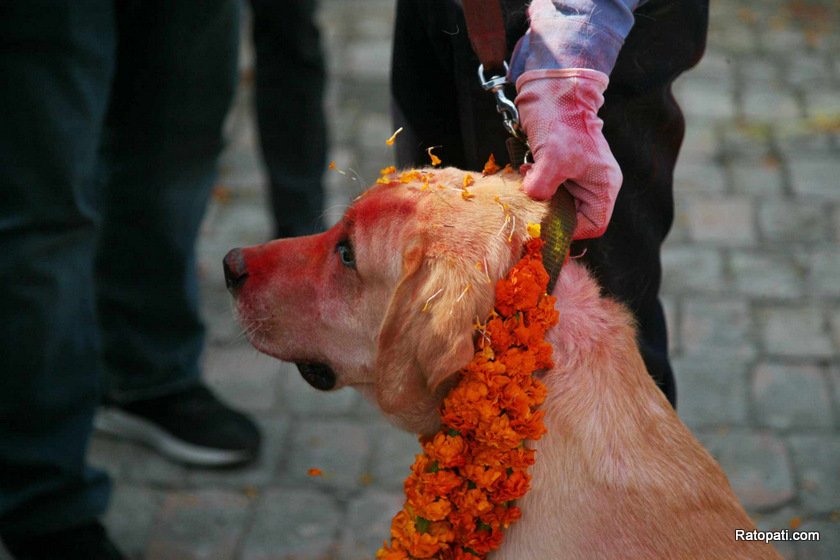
[752, 287]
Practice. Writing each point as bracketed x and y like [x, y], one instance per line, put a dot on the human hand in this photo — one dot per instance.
[558, 109]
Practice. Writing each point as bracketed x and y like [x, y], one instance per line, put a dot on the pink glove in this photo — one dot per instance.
[559, 111]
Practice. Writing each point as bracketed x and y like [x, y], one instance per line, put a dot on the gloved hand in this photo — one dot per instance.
[558, 109]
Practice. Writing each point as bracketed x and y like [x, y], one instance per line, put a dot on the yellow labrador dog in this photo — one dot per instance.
[385, 302]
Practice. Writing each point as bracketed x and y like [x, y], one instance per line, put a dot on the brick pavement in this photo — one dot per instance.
[752, 290]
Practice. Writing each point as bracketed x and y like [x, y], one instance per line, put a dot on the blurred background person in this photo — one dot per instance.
[290, 78]
[110, 126]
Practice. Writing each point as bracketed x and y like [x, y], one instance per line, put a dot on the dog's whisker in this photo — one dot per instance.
[357, 176]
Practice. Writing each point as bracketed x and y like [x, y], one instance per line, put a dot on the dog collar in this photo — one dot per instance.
[556, 231]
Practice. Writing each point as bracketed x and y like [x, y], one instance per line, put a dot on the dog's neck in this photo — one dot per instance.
[616, 459]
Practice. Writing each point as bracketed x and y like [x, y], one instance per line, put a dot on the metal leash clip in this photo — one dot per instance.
[510, 115]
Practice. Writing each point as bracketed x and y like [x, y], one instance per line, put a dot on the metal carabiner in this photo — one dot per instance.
[510, 115]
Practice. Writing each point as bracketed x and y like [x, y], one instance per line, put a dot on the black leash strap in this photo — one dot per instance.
[485, 27]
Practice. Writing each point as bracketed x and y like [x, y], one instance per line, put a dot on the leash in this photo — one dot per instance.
[486, 30]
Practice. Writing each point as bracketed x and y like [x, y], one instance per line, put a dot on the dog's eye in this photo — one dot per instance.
[345, 253]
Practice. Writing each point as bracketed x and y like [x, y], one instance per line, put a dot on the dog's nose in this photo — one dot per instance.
[235, 270]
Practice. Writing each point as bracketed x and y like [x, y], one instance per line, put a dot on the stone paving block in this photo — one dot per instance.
[835, 221]
[817, 460]
[761, 176]
[688, 268]
[131, 516]
[716, 328]
[250, 478]
[766, 275]
[740, 139]
[802, 140]
[241, 168]
[733, 38]
[824, 265]
[671, 309]
[242, 376]
[834, 380]
[794, 331]
[300, 398]
[723, 221]
[788, 220]
[219, 319]
[369, 60]
[368, 523]
[706, 101]
[759, 72]
[782, 41]
[716, 66]
[244, 222]
[375, 21]
[711, 392]
[757, 464]
[778, 521]
[292, 524]
[134, 463]
[108, 453]
[205, 525]
[769, 105]
[789, 396]
[827, 547]
[339, 448]
[699, 144]
[822, 102]
[145, 466]
[393, 455]
[816, 177]
[807, 71]
[697, 177]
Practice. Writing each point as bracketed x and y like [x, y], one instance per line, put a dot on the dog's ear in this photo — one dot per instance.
[427, 334]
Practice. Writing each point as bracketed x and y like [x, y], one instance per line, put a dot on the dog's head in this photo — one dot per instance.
[385, 301]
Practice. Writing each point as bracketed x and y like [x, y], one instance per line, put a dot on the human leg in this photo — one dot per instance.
[56, 62]
[290, 78]
[175, 76]
[644, 127]
[642, 124]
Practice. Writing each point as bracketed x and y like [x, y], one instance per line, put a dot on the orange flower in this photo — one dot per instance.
[447, 450]
[435, 160]
[390, 141]
[513, 487]
[474, 502]
[435, 511]
[459, 493]
[490, 167]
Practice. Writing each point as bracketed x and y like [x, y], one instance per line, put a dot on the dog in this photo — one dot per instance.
[386, 301]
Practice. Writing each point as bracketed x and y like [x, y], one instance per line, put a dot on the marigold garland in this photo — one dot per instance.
[461, 491]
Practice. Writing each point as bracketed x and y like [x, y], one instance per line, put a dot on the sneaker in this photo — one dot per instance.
[84, 542]
[192, 427]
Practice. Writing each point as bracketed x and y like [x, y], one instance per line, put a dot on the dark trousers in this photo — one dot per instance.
[110, 124]
[290, 78]
[439, 102]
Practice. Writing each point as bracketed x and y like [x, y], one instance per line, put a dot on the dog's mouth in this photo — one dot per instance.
[320, 376]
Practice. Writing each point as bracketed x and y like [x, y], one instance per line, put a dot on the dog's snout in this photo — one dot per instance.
[236, 272]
